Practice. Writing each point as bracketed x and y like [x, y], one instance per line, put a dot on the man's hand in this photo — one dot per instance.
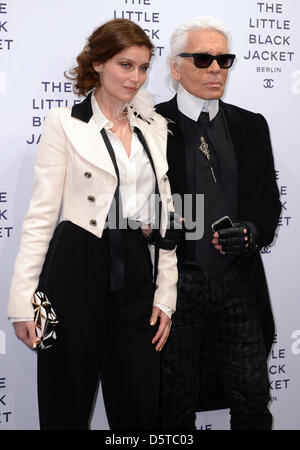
[164, 327]
[25, 331]
[234, 241]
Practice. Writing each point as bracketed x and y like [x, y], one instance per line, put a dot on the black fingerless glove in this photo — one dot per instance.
[239, 240]
[173, 234]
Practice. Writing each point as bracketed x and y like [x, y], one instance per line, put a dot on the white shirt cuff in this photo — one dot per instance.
[20, 319]
[166, 309]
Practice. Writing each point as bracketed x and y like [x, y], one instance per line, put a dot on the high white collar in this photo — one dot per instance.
[192, 106]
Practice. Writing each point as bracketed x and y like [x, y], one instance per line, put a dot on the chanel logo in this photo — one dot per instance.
[268, 83]
[266, 249]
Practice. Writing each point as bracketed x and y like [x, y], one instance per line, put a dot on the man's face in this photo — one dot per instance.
[207, 83]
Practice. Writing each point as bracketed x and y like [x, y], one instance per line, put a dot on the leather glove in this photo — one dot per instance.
[173, 234]
[239, 240]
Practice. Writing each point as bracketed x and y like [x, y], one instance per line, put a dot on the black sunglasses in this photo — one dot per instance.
[204, 60]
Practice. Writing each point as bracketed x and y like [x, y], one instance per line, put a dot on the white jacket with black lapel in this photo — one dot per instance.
[75, 176]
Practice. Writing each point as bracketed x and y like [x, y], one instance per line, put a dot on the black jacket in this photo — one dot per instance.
[258, 202]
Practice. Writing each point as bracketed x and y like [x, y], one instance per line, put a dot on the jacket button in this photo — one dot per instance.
[87, 174]
[165, 178]
[91, 198]
[93, 222]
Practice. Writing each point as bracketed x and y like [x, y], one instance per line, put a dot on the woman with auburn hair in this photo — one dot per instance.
[99, 169]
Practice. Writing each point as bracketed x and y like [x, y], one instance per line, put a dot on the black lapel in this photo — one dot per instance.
[235, 122]
[83, 111]
[246, 153]
[175, 147]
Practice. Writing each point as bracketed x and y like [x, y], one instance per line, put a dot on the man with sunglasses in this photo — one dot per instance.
[216, 354]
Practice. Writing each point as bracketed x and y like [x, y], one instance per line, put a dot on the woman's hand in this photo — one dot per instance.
[164, 327]
[25, 331]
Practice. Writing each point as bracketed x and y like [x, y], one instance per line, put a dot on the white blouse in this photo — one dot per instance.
[137, 179]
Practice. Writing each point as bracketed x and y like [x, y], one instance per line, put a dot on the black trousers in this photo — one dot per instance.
[100, 333]
[223, 312]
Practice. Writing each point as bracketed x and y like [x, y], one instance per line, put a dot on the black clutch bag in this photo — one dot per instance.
[46, 322]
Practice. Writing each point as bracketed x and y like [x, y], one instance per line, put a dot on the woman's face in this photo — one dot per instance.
[123, 75]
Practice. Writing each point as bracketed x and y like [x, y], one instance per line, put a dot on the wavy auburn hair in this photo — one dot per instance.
[106, 41]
